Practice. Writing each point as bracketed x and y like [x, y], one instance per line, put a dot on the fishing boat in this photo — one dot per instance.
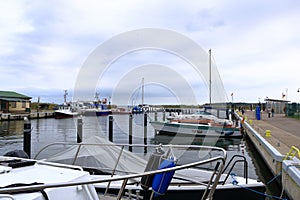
[65, 111]
[167, 172]
[100, 110]
[120, 111]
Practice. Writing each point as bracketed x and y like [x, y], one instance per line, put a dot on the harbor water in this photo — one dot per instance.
[50, 130]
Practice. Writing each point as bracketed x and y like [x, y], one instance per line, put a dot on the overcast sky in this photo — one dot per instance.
[255, 45]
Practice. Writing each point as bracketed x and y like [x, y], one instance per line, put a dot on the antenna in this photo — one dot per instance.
[65, 96]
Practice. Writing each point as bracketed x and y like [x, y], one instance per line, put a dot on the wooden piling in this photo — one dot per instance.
[145, 132]
[79, 130]
[130, 132]
[110, 128]
[27, 137]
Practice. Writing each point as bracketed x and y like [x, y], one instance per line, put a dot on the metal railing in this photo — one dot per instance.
[210, 186]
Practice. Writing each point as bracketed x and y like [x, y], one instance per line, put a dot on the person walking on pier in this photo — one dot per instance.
[272, 111]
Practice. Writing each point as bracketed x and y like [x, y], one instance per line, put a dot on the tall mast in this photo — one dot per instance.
[209, 63]
[143, 91]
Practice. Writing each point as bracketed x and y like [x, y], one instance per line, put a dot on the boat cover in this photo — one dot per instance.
[101, 157]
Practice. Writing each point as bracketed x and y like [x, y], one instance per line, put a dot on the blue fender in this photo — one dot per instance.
[162, 181]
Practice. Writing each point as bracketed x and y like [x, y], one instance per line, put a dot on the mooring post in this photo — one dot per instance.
[27, 137]
[130, 132]
[110, 128]
[145, 132]
[79, 130]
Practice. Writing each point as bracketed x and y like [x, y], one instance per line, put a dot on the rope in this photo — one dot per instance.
[261, 193]
[279, 174]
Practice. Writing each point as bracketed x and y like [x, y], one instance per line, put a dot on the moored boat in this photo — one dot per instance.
[65, 111]
[114, 168]
[195, 129]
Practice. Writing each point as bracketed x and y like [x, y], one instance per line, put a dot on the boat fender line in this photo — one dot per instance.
[262, 194]
[153, 164]
[162, 181]
[274, 178]
[234, 181]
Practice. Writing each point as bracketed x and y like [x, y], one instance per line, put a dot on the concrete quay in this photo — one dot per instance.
[274, 138]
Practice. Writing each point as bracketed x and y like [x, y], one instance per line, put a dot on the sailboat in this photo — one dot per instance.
[202, 123]
[139, 109]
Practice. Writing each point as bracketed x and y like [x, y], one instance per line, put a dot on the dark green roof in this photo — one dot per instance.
[11, 94]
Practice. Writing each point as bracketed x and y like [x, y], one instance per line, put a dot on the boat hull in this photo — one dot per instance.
[236, 193]
[228, 191]
[169, 128]
[97, 113]
[63, 115]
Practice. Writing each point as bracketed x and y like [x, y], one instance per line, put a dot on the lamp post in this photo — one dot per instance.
[298, 104]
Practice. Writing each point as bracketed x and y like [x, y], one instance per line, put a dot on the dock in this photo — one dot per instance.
[21, 116]
[277, 139]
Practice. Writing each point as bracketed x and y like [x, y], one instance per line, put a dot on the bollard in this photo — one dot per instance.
[130, 132]
[79, 130]
[268, 133]
[110, 128]
[27, 137]
[145, 132]
[250, 121]
[155, 116]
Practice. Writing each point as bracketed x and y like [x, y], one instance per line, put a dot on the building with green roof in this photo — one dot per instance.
[13, 102]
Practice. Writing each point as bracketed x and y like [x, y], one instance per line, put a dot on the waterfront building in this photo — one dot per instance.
[13, 102]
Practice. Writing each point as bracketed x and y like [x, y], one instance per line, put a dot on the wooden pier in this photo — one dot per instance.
[21, 116]
[277, 139]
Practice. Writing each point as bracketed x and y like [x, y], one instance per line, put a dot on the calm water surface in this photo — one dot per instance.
[47, 131]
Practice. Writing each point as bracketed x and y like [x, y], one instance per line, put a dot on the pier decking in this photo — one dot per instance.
[273, 138]
[284, 131]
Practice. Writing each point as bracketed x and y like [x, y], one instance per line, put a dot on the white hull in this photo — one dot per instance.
[194, 129]
[179, 188]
